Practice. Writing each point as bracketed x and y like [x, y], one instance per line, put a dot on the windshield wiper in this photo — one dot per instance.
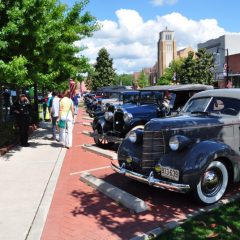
[200, 112]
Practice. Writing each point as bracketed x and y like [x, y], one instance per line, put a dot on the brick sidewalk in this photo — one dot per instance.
[79, 212]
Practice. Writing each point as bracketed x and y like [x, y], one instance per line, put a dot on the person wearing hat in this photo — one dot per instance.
[21, 109]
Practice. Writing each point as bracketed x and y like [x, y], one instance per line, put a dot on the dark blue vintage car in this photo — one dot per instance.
[198, 151]
[154, 101]
[126, 97]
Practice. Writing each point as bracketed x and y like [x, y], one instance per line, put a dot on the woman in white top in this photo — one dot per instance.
[66, 113]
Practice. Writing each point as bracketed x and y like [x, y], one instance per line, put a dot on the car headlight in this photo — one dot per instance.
[127, 117]
[132, 137]
[178, 142]
[108, 116]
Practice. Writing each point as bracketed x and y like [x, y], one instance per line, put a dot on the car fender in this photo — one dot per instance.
[133, 123]
[100, 122]
[199, 157]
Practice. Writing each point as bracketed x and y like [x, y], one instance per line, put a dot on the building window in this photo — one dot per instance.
[168, 37]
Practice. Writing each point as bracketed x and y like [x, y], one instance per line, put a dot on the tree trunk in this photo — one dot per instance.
[35, 108]
[1, 107]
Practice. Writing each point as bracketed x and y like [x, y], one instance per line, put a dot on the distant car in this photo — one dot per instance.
[197, 152]
[154, 101]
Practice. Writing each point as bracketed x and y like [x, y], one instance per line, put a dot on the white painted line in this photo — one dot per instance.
[127, 200]
[105, 153]
[90, 170]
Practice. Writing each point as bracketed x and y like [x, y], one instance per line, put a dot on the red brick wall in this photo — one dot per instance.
[234, 63]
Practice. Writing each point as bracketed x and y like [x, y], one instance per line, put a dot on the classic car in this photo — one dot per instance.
[113, 127]
[197, 151]
[124, 97]
[102, 94]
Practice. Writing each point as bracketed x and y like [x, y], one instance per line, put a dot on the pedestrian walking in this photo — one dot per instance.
[76, 99]
[66, 115]
[7, 103]
[72, 88]
[54, 112]
[21, 109]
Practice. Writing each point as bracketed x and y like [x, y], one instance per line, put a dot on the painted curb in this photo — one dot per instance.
[127, 200]
[105, 153]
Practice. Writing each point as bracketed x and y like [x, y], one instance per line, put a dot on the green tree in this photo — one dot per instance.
[143, 80]
[104, 74]
[204, 64]
[39, 38]
[198, 69]
[124, 79]
[174, 69]
[187, 74]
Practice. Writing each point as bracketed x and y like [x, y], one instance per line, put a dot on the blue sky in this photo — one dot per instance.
[132, 26]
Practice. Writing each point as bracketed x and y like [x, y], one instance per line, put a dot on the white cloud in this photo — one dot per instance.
[162, 2]
[132, 42]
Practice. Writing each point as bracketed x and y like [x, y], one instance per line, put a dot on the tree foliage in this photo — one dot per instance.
[38, 39]
[39, 42]
[195, 68]
[143, 80]
[174, 69]
[124, 79]
[198, 69]
[104, 73]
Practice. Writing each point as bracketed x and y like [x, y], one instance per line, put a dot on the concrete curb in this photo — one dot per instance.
[105, 153]
[173, 224]
[87, 124]
[87, 133]
[118, 195]
[42, 212]
[87, 118]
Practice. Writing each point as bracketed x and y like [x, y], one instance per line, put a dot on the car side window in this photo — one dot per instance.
[228, 106]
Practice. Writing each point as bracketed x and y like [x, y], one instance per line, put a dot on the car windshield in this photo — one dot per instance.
[130, 98]
[150, 97]
[114, 95]
[218, 105]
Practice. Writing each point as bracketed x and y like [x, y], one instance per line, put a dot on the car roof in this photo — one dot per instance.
[222, 92]
[175, 88]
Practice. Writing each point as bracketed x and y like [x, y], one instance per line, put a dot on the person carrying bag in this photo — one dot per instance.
[65, 123]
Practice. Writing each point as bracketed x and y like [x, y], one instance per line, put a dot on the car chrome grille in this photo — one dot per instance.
[153, 148]
[118, 121]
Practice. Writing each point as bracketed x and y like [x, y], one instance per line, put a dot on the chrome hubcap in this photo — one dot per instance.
[212, 182]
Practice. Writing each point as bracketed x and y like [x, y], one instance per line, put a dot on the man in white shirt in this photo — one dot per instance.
[54, 110]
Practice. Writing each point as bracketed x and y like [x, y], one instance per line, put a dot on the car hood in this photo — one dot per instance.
[141, 110]
[187, 122]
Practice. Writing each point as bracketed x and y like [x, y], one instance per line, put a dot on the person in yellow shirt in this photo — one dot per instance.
[66, 113]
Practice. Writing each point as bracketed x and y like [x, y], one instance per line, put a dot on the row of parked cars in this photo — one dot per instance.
[183, 138]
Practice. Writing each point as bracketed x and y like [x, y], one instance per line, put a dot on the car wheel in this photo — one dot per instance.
[213, 183]
[101, 142]
[135, 128]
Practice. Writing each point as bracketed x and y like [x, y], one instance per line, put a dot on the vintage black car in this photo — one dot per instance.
[123, 97]
[198, 151]
[113, 127]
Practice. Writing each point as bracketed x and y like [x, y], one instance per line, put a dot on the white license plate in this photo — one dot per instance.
[170, 173]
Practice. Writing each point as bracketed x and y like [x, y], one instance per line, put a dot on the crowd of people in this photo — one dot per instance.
[62, 107]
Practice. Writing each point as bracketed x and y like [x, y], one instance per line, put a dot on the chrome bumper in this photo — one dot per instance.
[150, 180]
